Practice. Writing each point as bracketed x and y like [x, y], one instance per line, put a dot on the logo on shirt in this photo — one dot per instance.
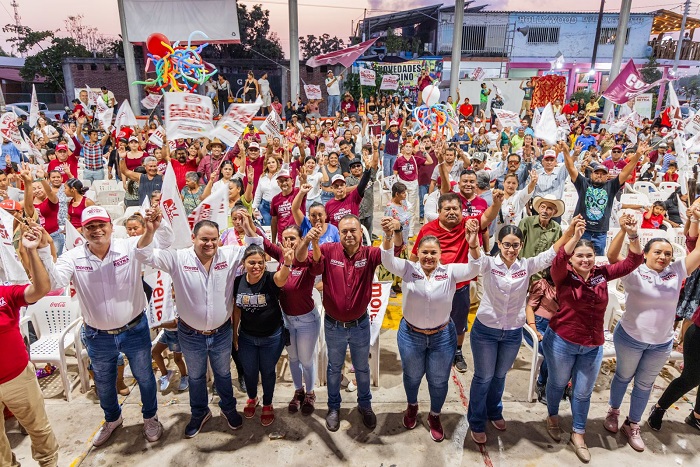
[498, 273]
[170, 210]
[440, 277]
[415, 275]
[597, 280]
[296, 272]
[361, 263]
[335, 262]
[519, 274]
[121, 261]
[2, 301]
[220, 266]
[190, 268]
[669, 276]
[84, 268]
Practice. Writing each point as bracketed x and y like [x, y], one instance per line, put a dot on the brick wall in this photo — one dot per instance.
[97, 73]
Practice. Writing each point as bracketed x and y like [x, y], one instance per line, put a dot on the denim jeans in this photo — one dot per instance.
[333, 105]
[264, 209]
[259, 355]
[596, 121]
[198, 350]
[388, 164]
[303, 331]
[93, 175]
[640, 361]
[338, 339]
[59, 241]
[494, 351]
[326, 196]
[579, 363]
[422, 191]
[431, 356]
[599, 240]
[541, 324]
[103, 350]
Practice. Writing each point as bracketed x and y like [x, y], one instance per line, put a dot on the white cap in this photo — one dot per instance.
[393, 122]
[283, 173]
[550, 153]
[337, 178]
[94, 213]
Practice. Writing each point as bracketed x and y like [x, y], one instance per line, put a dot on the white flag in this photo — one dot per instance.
[73, 237]
[681, 153]
[12, 267]
[508, 118]
[619, 125]
[157, 136]
[10, 130]
[692, 126]
[125, 116]
[33, 150]
[536, 116]
[313, 91]
[693, 144]
[631, 133]
[103, 113]
[231, 126]
[151, 101]
[377, 308]
[547, 128]
[161, 308]
[213, 208]
[174, 211]
[674, 114]
[188, 115]
[271, 125]
[33, 108]
[610, 117]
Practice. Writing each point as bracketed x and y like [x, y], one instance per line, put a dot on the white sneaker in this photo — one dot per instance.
[152, 429]
[106, 431]
[165, 381]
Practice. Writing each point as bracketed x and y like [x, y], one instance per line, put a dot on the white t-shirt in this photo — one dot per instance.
[651, 302]
[493, 139]
[333, 89]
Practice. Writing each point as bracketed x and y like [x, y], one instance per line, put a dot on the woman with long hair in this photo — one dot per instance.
[77, 202]
[251, 89]
[267, 187]
[223, 93]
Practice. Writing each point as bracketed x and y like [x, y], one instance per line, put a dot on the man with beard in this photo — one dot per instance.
[182, 163]
[597, 194]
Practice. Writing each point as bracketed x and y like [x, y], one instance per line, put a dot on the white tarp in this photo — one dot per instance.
[177, 19]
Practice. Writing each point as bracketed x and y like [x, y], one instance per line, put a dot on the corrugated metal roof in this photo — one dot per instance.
[532, 12]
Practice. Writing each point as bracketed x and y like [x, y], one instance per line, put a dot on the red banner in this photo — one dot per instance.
[345, 57]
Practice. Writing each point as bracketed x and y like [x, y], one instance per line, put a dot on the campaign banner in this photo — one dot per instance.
[692, 127]
[10, 130]
[377, 308]
[390, 82]
[125, 116]
[367, 77]
[157, 136]
[188, 115]
[161, 308]
[629, 84]
[407, 72]
[73, 237]
[271, 125]
[642, 105]
[478, 74]
[508, 118]
[11, 265]
[174, 210]
[312, 91]
[213, 208]
[231, 126]
[33, 108]
[151, 101]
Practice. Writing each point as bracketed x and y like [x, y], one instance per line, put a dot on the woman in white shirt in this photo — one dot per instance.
[497, 331]
[313, 177]
[514, 202]
[43, 129]
[267, 188]
[644, 336]
[427, 338]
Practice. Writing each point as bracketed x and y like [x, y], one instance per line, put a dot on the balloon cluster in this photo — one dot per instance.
[179, 67]
[433, 116]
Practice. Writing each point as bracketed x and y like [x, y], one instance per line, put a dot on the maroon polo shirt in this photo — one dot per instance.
[337, 209]
[14, 354]
[582, 303]
[281, 206]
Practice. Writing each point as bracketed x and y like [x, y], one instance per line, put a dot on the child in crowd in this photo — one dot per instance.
[654, 217]
[168, 339]
[671, 174]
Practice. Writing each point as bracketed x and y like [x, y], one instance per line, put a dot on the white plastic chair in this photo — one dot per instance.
[669, 186]
[110, 197]
[114, 211]
[104, 185]
[56, 321]
[90, 194]
[645, 187]
[322, 351]
[535, 362]
[637, 199]
[119, 231]
[366, 236]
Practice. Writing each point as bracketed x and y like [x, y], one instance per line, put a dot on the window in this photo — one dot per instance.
[608, 35]
[543, 35]
[473, 38]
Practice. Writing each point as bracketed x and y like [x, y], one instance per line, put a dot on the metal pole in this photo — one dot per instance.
[619, 49]
[129, 63]
[456, 47]
[293, 49]
[597, 34]
[679, 45]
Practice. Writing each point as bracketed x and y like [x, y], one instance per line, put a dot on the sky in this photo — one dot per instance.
[336, 17]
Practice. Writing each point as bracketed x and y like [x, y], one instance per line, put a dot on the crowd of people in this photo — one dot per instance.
[474, 220]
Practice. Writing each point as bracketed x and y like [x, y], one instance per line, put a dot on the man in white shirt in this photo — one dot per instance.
[333, 88]
[107, 278]
[551, 179]
[203, 277]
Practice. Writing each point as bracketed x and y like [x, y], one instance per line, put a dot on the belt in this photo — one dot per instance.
[427, 332]
[223, 327]
[126, 327]
[347, 324]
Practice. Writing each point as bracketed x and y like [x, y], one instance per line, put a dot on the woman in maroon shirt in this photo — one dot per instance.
[301, 318]
[573, 343]
[77, 202]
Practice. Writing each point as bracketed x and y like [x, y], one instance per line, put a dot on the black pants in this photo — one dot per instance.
[690, 376]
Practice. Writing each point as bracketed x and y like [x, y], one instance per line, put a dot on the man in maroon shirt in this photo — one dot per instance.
[182, 163]
[19, 389]
[346, 203]
[348, 273]
[425, 171]
[281, 205]
[65, 164]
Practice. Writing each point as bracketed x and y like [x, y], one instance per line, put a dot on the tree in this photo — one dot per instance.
[48, 63]
[352, 85]
[650, 73]
[254, 25]
[87, 36]
[312, 45]
[24, 39]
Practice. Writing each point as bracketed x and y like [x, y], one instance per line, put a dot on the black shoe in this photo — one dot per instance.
[568, 393]
[241, 383]
[195, 426]
[233, 418]
[368, 417]
[656, 418]
[459, 363]
[542, 393]
[692, 421]
[333, 420]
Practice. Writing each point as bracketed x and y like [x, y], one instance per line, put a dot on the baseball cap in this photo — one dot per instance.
[550, 153]
[346, 119]
[133, 138]
[254, 145]
[10, 205]
[337, 178]
[663, 145]
[283, 173]
[393, 123]
[479, 156]
[61, 147]
[355, 161]
[587, 127]
[600, 167]
[94, 213]
[617, 146]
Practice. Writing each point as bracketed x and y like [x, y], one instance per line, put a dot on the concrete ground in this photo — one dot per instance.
[306, 442]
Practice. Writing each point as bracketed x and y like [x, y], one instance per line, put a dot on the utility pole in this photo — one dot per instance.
[456, 47]
[619, 49]
[293, 50]
[679, 45]
[129, 63]
[597, 34]
[18, 21]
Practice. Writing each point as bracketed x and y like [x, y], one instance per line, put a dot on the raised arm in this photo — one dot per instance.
[692, 261]
[26, 176]
[125, 172]
[492, 212]
[282, 273]
[625, 174]
[569, 161]
[41, 284]
[297, 210]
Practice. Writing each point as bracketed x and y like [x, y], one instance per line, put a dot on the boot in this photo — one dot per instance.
[122, 388]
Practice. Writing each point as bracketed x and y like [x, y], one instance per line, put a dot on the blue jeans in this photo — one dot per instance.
[198, 350]
[326, 196]
[333, 105]
[431, 356]
[494, 351]
[93, 175]
[640, 361]
[579, 363]
[596, 121]
[599, 240]
[338, 339]
[388, 164]
[541, 324]
[422, 191]
[303, 331]
[103, 350]
[59, 240]
[264, 209]
[260, 355]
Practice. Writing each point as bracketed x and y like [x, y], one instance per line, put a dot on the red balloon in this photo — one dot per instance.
[155, 46]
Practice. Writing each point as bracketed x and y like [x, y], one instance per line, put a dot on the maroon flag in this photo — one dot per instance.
[345, 57]
[629, 84]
